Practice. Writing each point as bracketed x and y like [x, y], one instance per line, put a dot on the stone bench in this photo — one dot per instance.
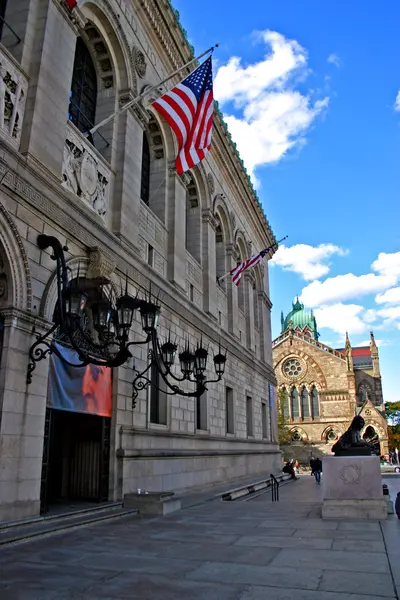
[152, 503]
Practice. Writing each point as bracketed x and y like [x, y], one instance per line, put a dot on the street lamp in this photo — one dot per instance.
[112, 322]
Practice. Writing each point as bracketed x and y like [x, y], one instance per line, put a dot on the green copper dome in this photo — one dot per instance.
[303, 320]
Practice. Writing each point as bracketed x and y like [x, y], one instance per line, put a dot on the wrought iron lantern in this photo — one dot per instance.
[107, 343]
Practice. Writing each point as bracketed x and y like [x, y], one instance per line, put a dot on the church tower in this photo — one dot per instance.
[374, 356]
[303, 320]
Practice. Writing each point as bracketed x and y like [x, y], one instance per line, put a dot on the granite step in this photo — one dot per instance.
[37, 527]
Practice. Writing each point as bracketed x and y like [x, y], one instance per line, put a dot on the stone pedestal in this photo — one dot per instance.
[352, 488]
[152, 503]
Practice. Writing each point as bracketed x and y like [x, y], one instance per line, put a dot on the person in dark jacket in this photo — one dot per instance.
[316, 468]
[289, 468]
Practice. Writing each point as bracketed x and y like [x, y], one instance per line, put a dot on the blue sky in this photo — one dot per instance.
[308, 89]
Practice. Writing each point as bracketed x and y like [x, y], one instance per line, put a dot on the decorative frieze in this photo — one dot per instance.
[85, 172]
[222, 301]
[151, 229]
[193, 271]
[13, 89]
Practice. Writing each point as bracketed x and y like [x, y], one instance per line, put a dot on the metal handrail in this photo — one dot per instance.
[4, 22]
[274, 488]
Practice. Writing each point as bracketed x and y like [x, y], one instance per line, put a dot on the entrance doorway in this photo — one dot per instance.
[76, 455]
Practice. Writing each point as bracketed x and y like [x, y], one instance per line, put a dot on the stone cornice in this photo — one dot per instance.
[164, 24]
[264, 298]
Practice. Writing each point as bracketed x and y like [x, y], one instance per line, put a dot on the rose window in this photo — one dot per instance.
[292, 367]
[332, 436]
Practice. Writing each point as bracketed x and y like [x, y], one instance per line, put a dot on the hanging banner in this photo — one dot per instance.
[273, 412]
[79, 389]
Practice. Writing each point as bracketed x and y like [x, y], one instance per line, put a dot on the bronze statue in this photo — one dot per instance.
[351, 443]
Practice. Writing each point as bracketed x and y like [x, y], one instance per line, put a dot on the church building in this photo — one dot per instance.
[325, 387]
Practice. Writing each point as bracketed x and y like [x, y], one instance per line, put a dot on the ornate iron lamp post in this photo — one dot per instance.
[108, 343]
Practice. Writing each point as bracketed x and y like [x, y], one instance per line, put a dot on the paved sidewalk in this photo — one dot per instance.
[243, 550]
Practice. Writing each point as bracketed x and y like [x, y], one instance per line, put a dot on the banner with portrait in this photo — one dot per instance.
[273, 412]
[79, 389]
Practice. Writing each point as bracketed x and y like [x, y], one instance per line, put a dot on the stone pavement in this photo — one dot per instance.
[243, 550]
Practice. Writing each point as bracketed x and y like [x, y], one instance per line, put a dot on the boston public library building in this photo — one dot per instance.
[112, 320]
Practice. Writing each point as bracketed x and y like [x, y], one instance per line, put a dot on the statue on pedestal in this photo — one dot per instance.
[351, 443]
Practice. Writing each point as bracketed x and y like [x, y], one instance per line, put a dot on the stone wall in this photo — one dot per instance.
[53, 181]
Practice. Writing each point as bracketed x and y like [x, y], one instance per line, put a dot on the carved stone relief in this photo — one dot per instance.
[84, 174]
[13, 88]
[3, 283]
[140, 62]
[100, 266]
[210, 184]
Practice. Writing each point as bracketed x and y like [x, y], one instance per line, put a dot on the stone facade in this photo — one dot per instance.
[190, 230]
[324, 388]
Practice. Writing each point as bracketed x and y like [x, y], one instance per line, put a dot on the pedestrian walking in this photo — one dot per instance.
[316, 468]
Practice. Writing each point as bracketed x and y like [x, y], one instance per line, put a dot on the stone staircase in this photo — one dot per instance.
[27, 529]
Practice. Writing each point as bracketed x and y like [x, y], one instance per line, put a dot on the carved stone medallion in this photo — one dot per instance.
[140, 63]
[88, 175]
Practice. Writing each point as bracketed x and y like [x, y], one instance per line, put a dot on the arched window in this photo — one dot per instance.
[314, 402]
[294, 403]
[145, 178]
[255, 308]
[296, 436]
[220, 253]
[83, 95]
[285, 404]
[305, 408]
[193, 220]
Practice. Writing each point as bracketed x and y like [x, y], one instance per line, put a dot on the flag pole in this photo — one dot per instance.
[219, 279]
[150, 89]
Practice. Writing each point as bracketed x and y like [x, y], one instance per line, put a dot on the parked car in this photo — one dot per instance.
[389, 468]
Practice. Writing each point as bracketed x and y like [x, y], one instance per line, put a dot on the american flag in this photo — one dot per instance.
[188, 109]
[236, 273]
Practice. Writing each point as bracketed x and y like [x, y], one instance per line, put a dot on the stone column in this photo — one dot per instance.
[265, 328]
[248, 282]
[126, 203]
[231, 289]
[23, 409]
[209, 227]
[176, 223]
[51, 37]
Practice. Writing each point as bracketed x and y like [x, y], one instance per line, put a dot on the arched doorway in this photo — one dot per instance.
[76, 450]
[371, 436]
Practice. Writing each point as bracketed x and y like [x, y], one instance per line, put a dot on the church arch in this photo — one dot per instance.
[294, 403]
[331, 434]
[314, 397]
[15, 278]
[305, 406]
[297, 434]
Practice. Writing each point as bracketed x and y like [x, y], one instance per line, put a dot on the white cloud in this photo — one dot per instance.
[390, 313]
[334, 59]
[391, 296]
[397, 102]
[387, 264]
[341, 318]
[344, 287]
[379, 343]
[309, 261]
[273, 116]
[370, 315]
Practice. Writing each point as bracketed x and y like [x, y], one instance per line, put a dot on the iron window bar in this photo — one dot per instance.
[88, 122]
[4, 22]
